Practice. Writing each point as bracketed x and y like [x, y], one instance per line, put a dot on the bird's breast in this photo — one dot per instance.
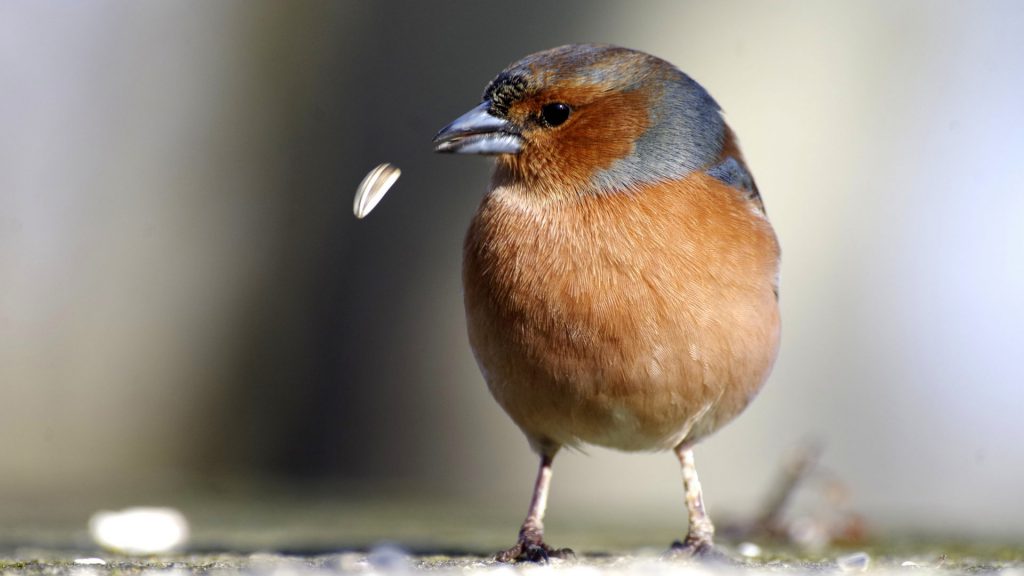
[632, 320]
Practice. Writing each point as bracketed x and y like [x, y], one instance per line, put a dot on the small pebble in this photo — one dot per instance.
[749, 550]
[388, 557]
[856, 562]
[373, 188]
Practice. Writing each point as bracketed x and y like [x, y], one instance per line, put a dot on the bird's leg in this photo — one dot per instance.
[701, 531]
[531, 546]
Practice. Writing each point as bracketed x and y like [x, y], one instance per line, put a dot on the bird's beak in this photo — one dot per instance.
[478, 132]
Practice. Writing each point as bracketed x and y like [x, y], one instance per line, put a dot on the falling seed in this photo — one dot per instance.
[374, 187]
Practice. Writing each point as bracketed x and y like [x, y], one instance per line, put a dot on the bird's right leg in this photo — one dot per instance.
[531, 546]
[701, 532]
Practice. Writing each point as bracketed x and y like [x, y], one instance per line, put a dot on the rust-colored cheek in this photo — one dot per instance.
[600, 132]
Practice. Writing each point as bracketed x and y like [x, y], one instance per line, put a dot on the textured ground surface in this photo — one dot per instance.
[315, 537]
[391, 560]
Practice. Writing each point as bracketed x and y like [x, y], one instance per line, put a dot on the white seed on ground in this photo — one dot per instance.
[139, 530]
[749, 550]
[373, 188]
[90, 561]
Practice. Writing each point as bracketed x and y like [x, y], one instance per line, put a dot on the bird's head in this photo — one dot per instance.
[588, 118]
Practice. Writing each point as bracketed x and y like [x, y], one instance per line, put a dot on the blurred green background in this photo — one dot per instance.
[187, 305]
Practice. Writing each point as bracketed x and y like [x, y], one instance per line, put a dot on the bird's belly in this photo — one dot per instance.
[625, 370]
[630, 321]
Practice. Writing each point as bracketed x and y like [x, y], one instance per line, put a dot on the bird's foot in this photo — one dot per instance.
[697, 548]
[533, 550]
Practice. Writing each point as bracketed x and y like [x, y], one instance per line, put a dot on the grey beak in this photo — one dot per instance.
[478, 132]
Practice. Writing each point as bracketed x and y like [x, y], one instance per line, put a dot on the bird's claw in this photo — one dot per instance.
[536, 551]
[694, 547]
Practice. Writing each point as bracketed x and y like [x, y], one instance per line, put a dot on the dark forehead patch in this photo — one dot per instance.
[503, 91]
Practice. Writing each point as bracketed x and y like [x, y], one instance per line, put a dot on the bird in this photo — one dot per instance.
[620, 276]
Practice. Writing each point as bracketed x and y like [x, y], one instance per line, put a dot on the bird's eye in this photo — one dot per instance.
[555, 114]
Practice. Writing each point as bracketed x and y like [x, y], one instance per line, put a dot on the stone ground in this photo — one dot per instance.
[313, 537]
[388, 559]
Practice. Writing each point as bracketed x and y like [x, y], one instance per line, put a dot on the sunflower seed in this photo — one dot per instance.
[373, 188]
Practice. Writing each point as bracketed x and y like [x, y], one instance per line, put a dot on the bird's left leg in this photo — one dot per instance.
[701, 532]
[531, 546]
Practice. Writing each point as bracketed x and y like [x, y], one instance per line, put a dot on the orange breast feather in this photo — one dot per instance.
[631, 320]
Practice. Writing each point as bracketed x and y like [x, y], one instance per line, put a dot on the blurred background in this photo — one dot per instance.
[187, 305]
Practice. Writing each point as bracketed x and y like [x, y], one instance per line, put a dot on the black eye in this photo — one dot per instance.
[555, 114]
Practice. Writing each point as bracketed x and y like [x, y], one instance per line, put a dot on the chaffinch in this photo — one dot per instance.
[621, 275]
